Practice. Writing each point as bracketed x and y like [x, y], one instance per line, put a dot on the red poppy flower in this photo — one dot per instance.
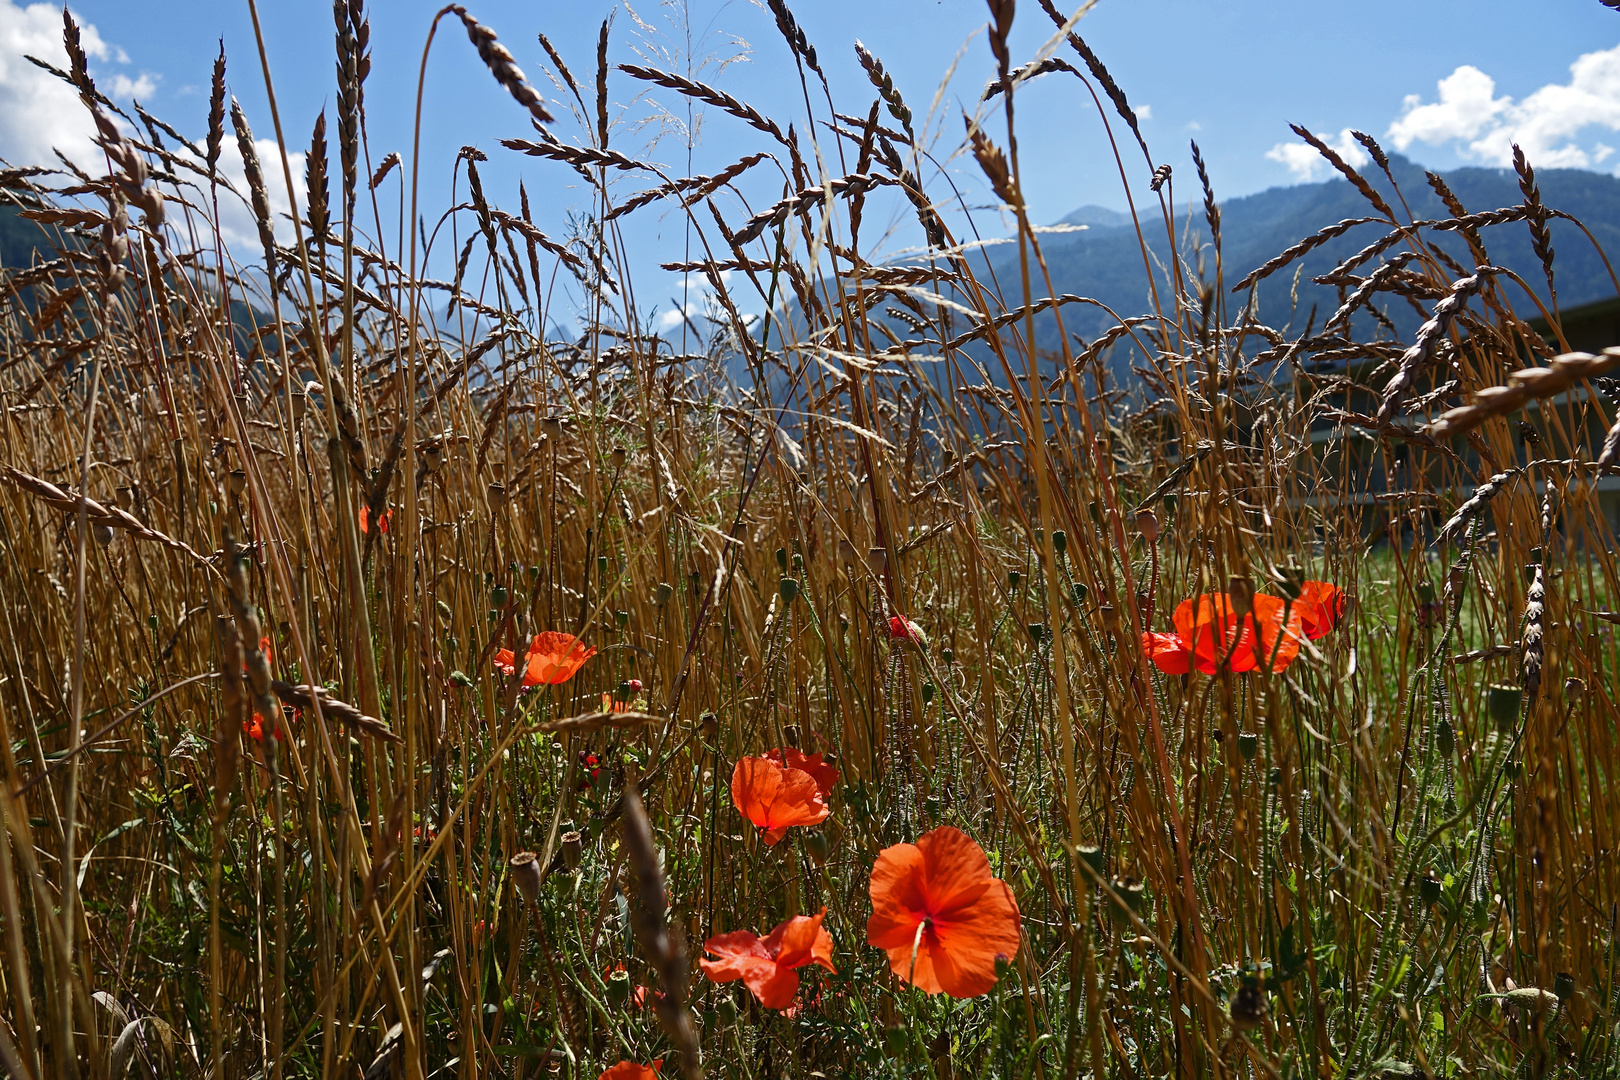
[1208, 633]
[1320, 606]
[902, 631]
[382, 519]
[776, 798]
[256, 727]
[611, 706]
[552, 658]
[629, 1070]
[592, 766]
[825, 773]
[769, 966]
[941, 915]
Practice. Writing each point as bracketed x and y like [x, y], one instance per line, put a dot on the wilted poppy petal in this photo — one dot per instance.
[505, 662]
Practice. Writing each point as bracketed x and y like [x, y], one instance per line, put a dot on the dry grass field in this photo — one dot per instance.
[391, 686]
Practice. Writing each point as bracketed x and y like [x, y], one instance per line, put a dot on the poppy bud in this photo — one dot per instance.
[573, 847]
[633, 685]
[1003, 966]
[1248, 744]
[1241, 592]
[1445, 739]
[601, 567]
[236, 481]
[1078, 593]
[1502, 703]
[662, 593]
[618, 988]
[798, 563]
[696, 579]
[526, 874]
[444, 610]
[461, 678]
[927, 692]
[1429, 889]
[817, 846]
[789, 590]
[781, 559]
[1014, 579]
[1147, 523]
[618, 457]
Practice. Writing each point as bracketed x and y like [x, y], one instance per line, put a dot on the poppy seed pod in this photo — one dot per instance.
[237, 481]
[1563, 986]
[1092, 856]
[846, 552]
[662, 593]
[1127, 901]
[573, 847]
[708, 726]
[618, 457]
[781, 559]
[1248, 745]
[525, 866]
[948, 655]
[1060, 541]
[1110, 617]
[1241, 592]
[817, 846]
[1147, 523]
[879, 558]
[1445, 739]
[788, 589]
[927, 692]
[1014, 579]
[1248, 1007]
[1078, 593]
[102, 533]
[1429, 889]
[618, 988]
[790, 734]
[1292, 581]
[497, 493]
[622, 618]
[1502, 704]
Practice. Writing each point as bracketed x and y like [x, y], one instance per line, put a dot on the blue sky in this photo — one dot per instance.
[1455, 81]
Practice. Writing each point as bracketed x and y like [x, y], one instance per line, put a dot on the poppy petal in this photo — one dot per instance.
[1168, 653]
[898, 903]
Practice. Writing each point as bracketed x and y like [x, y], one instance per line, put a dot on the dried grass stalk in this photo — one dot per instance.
[1560, 374]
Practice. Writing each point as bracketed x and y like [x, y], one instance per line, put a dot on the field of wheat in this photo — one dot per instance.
[392, 685]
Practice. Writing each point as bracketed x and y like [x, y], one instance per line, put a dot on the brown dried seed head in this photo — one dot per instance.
[525, 866]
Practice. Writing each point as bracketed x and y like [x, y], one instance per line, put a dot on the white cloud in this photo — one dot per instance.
[1546, 123]
[1306, 163]
[1143, 112]
[38, 111]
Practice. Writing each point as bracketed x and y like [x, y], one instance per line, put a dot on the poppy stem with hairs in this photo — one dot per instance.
[916, 944]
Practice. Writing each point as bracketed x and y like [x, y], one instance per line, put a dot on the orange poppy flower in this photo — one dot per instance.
[825, 773]
[629, 1070]
[552, 658]
[769, 966]
[256, 727]
[1168, 652]
[941, 915]
[1321, 606]
[382, 519]
[776, 798]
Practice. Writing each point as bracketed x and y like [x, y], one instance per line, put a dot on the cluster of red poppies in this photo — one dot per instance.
[937, 910]
[1215, 632]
